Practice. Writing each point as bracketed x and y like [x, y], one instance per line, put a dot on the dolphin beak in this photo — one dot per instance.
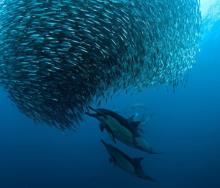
[91, 108]
[91, 114]
[97, 112]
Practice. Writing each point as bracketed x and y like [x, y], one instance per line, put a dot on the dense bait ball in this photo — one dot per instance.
[57, 55]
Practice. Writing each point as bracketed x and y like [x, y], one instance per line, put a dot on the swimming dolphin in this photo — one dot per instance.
[126, 163]
[122, 129]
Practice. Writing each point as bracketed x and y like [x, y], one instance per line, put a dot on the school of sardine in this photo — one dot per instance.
[56, 56]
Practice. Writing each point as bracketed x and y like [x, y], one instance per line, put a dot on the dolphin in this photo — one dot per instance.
[126, 163]
[118, 127]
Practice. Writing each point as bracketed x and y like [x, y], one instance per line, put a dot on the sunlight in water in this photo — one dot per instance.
[210, 8]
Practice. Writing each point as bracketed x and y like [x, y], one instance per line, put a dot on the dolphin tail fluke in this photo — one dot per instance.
[140, 170]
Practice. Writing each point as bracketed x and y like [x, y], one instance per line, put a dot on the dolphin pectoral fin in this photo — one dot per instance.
[102, 127]
[112, 160]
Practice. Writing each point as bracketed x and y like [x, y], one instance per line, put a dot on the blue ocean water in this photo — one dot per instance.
[184, 127]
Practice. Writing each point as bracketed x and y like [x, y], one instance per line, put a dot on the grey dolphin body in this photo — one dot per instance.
[128, 164]
[122, 129]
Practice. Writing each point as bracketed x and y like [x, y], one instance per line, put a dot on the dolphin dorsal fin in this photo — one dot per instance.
[136, 123]
[131, 118]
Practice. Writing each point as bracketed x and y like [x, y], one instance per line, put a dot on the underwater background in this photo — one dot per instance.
[184, 125]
